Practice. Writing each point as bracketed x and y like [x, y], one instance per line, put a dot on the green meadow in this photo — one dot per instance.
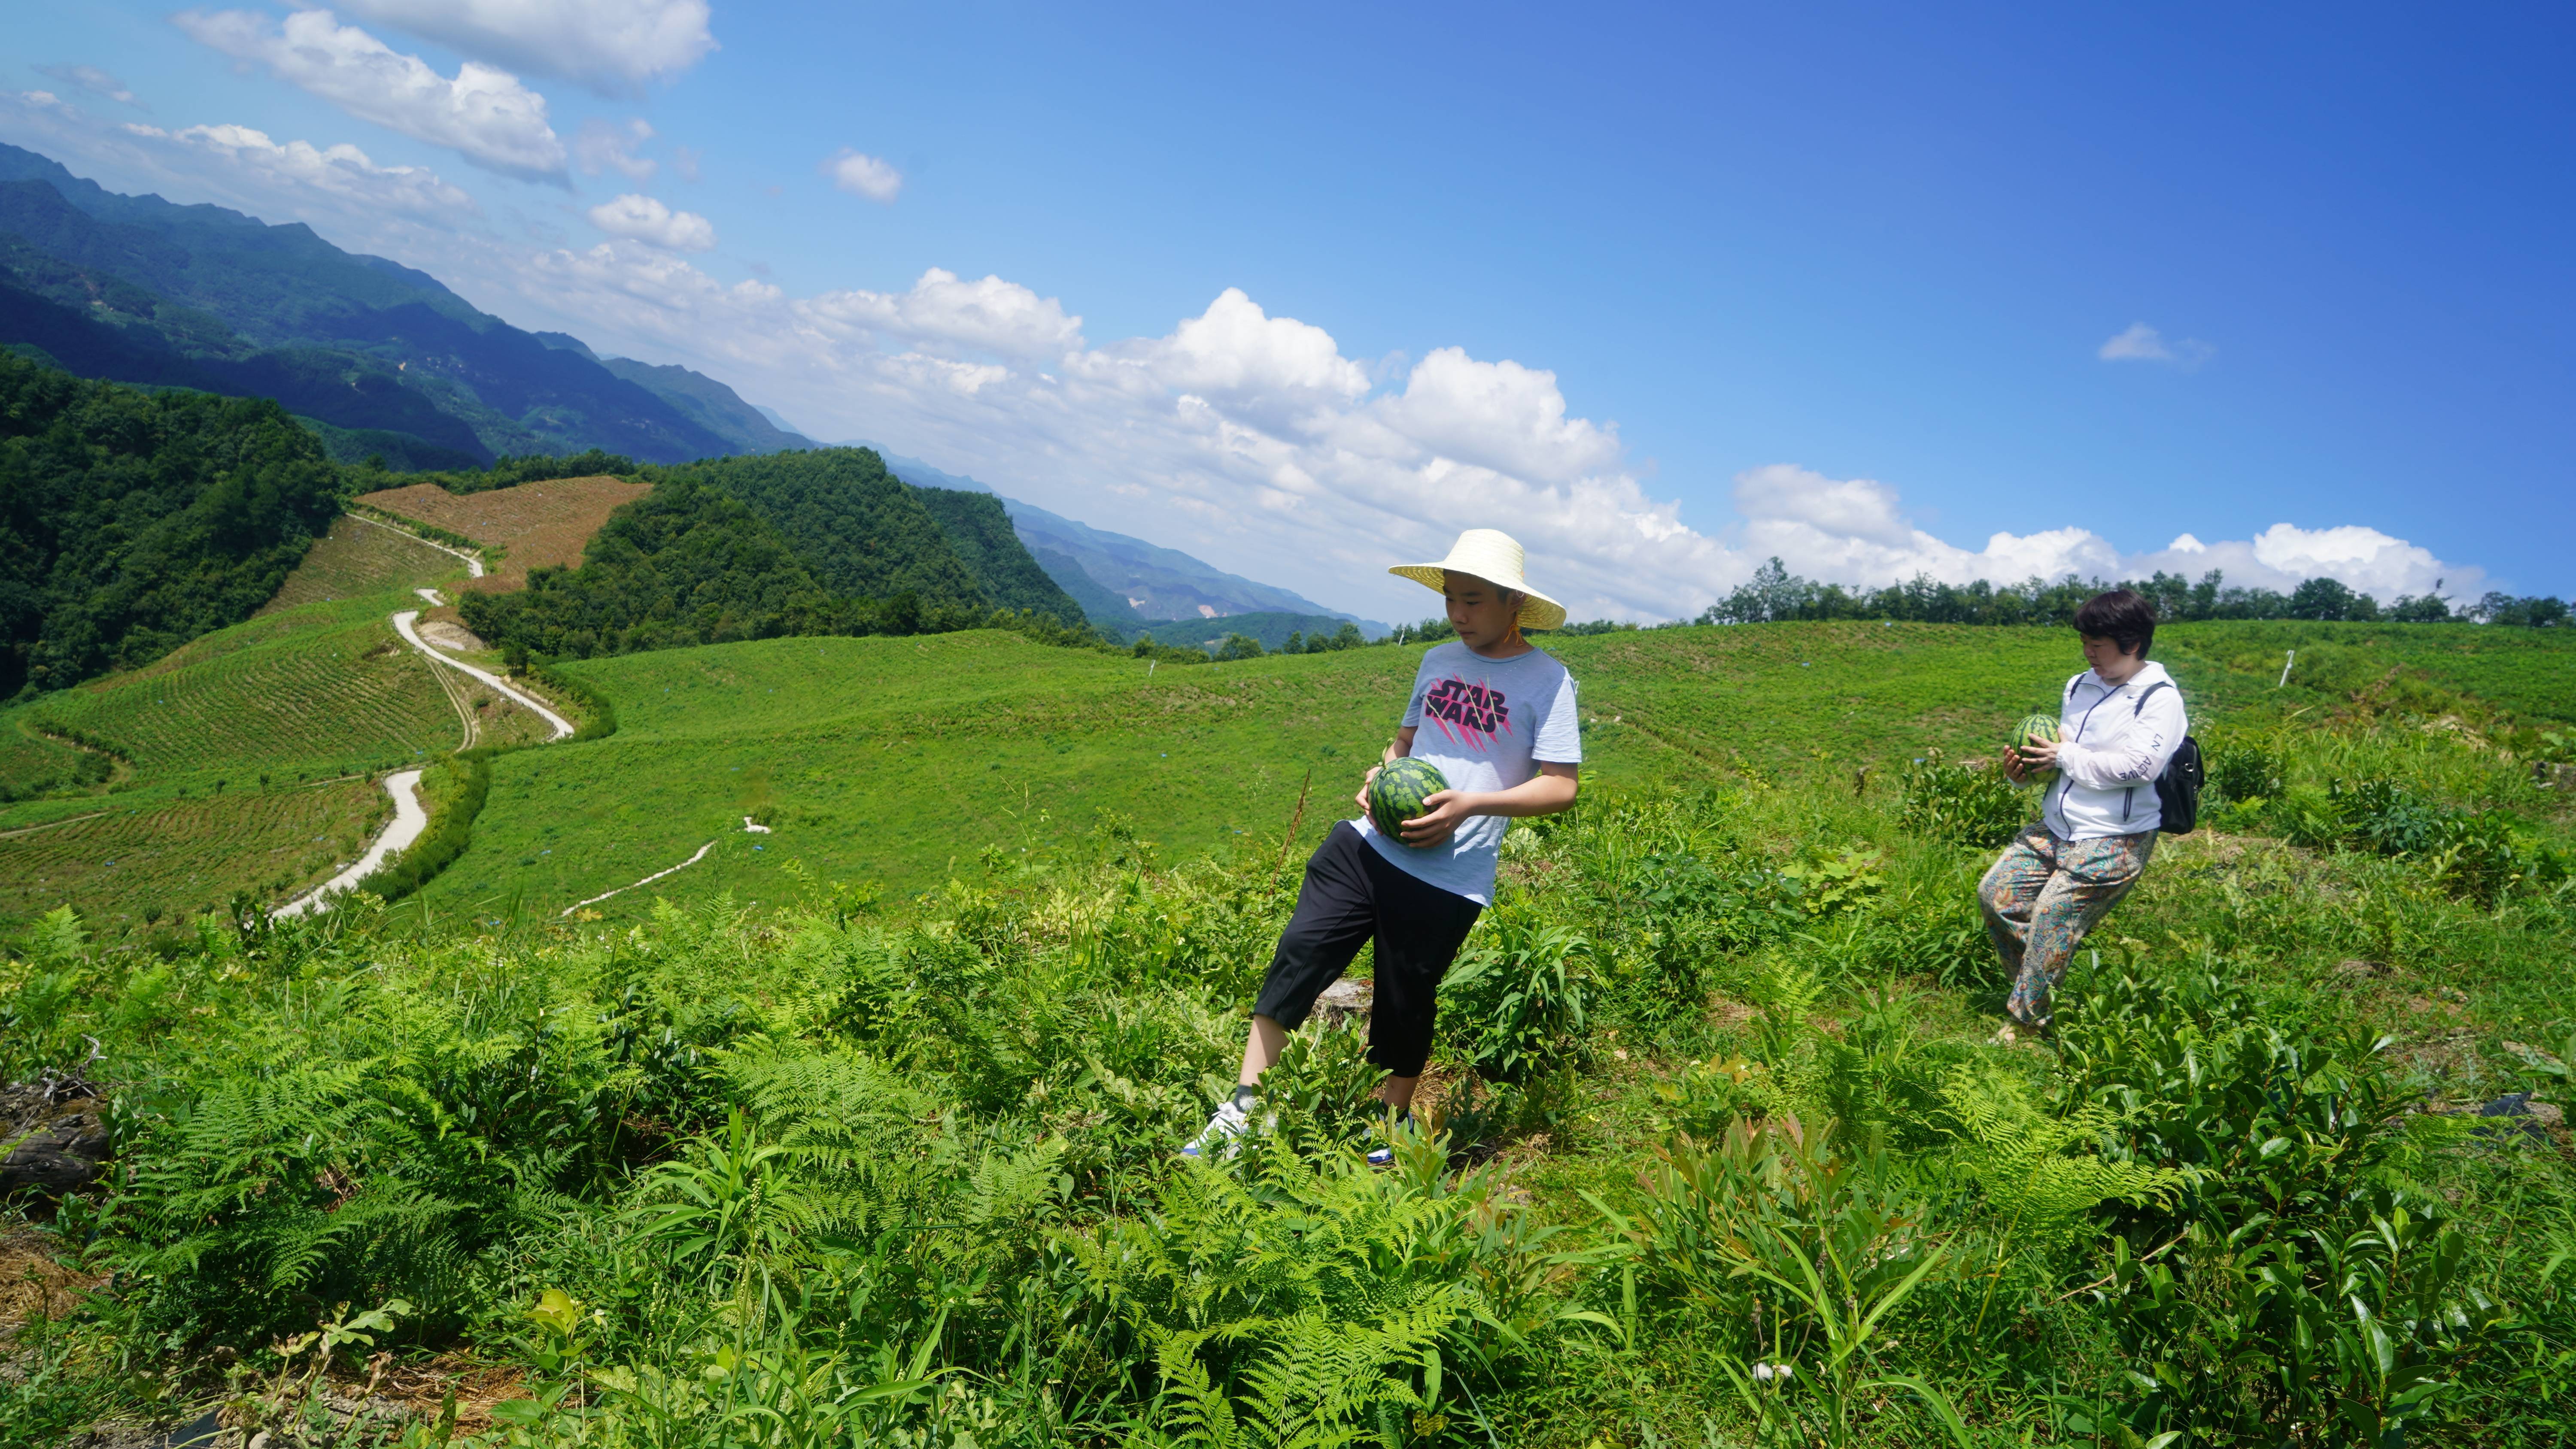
[893, 763]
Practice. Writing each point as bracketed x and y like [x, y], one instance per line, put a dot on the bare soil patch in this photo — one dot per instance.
[452, 637]
[539, 524]
[34, 1283]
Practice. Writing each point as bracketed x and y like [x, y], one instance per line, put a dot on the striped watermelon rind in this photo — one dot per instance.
[1396, 795]
[2042, 725]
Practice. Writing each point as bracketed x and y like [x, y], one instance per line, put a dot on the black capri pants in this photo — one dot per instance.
[1351, 894]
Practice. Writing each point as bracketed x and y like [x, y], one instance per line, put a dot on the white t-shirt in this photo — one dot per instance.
[1485, 724]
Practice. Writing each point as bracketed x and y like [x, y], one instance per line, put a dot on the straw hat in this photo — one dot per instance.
[1494, 556]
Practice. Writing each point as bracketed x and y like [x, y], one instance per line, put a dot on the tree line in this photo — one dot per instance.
[1775, 595]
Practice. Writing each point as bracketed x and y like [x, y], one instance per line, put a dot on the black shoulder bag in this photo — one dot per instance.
[2178, 788]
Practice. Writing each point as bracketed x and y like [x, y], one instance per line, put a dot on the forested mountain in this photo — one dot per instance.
[130, 522]
[349, 394]
[685, 564]
[820, 542]
[357, 342]
[1105, 608]
[863, 531]
[980, 532]
[710, 404]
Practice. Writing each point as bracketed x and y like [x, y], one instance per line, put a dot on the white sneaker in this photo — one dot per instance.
[1224, 1131]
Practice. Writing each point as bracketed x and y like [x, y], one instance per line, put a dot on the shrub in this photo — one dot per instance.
[2241, 770]
[1513, 1006]
[1960, 805]
[454, 800]
[2301, 1277]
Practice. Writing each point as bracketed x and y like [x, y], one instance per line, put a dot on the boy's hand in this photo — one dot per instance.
[1361, 799]
[1443, 811]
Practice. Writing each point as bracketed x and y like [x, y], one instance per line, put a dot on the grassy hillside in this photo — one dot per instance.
[323, 689]
[361, 558]
[895, 761]
[886, 759]
[150, 860]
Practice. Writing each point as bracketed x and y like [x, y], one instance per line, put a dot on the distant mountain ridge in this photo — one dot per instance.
[141, 289]
[1125, 584]
[385, 364]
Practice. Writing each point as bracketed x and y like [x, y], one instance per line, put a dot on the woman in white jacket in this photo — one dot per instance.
[2118, 723]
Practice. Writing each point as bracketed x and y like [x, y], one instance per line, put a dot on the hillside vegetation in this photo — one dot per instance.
[360, 556]
[1719, 1086]
[131, 523]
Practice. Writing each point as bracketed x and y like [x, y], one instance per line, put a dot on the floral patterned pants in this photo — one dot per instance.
[2041, 897]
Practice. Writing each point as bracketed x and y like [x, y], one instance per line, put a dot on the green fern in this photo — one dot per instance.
[2043, 1175]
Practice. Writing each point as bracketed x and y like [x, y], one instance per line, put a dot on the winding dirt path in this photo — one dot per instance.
[648, 880]
[410, 817]
[409, 821]
[403, 623]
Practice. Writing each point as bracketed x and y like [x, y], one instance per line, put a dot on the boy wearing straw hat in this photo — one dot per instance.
[1497, 718]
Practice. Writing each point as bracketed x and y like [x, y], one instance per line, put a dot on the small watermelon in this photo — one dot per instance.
[1396, 795]
[2042, 725]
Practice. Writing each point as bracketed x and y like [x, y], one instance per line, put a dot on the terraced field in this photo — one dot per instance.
[31, 764]
[898, 761]
[330, 693]
[223, 743]
[360, 558]
[142, 862]
[537, 523]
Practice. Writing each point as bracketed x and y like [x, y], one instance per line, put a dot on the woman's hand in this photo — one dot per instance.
[2012, 765]
[1443, 811]
[2037, 754]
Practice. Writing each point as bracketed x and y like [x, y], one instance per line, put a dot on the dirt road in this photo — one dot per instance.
[409, 821]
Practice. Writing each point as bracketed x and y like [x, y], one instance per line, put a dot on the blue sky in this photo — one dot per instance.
[1663, 290]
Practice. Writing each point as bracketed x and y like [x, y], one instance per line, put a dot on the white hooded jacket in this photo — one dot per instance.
[2113, 743]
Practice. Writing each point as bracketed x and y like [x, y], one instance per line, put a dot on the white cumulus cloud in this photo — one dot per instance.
[641, 218]
[342, 171]
[607, 146]
[2284, 554]
[1252, 441]
[95, 81]
[861, 174]
[2142, 343]
[483, 114]
[948, 315]
[613, 46]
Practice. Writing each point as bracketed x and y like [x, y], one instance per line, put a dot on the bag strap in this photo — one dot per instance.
[2143, 693]
[2074, 679]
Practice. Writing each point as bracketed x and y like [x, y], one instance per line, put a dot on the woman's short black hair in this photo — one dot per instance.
[2124, 618]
